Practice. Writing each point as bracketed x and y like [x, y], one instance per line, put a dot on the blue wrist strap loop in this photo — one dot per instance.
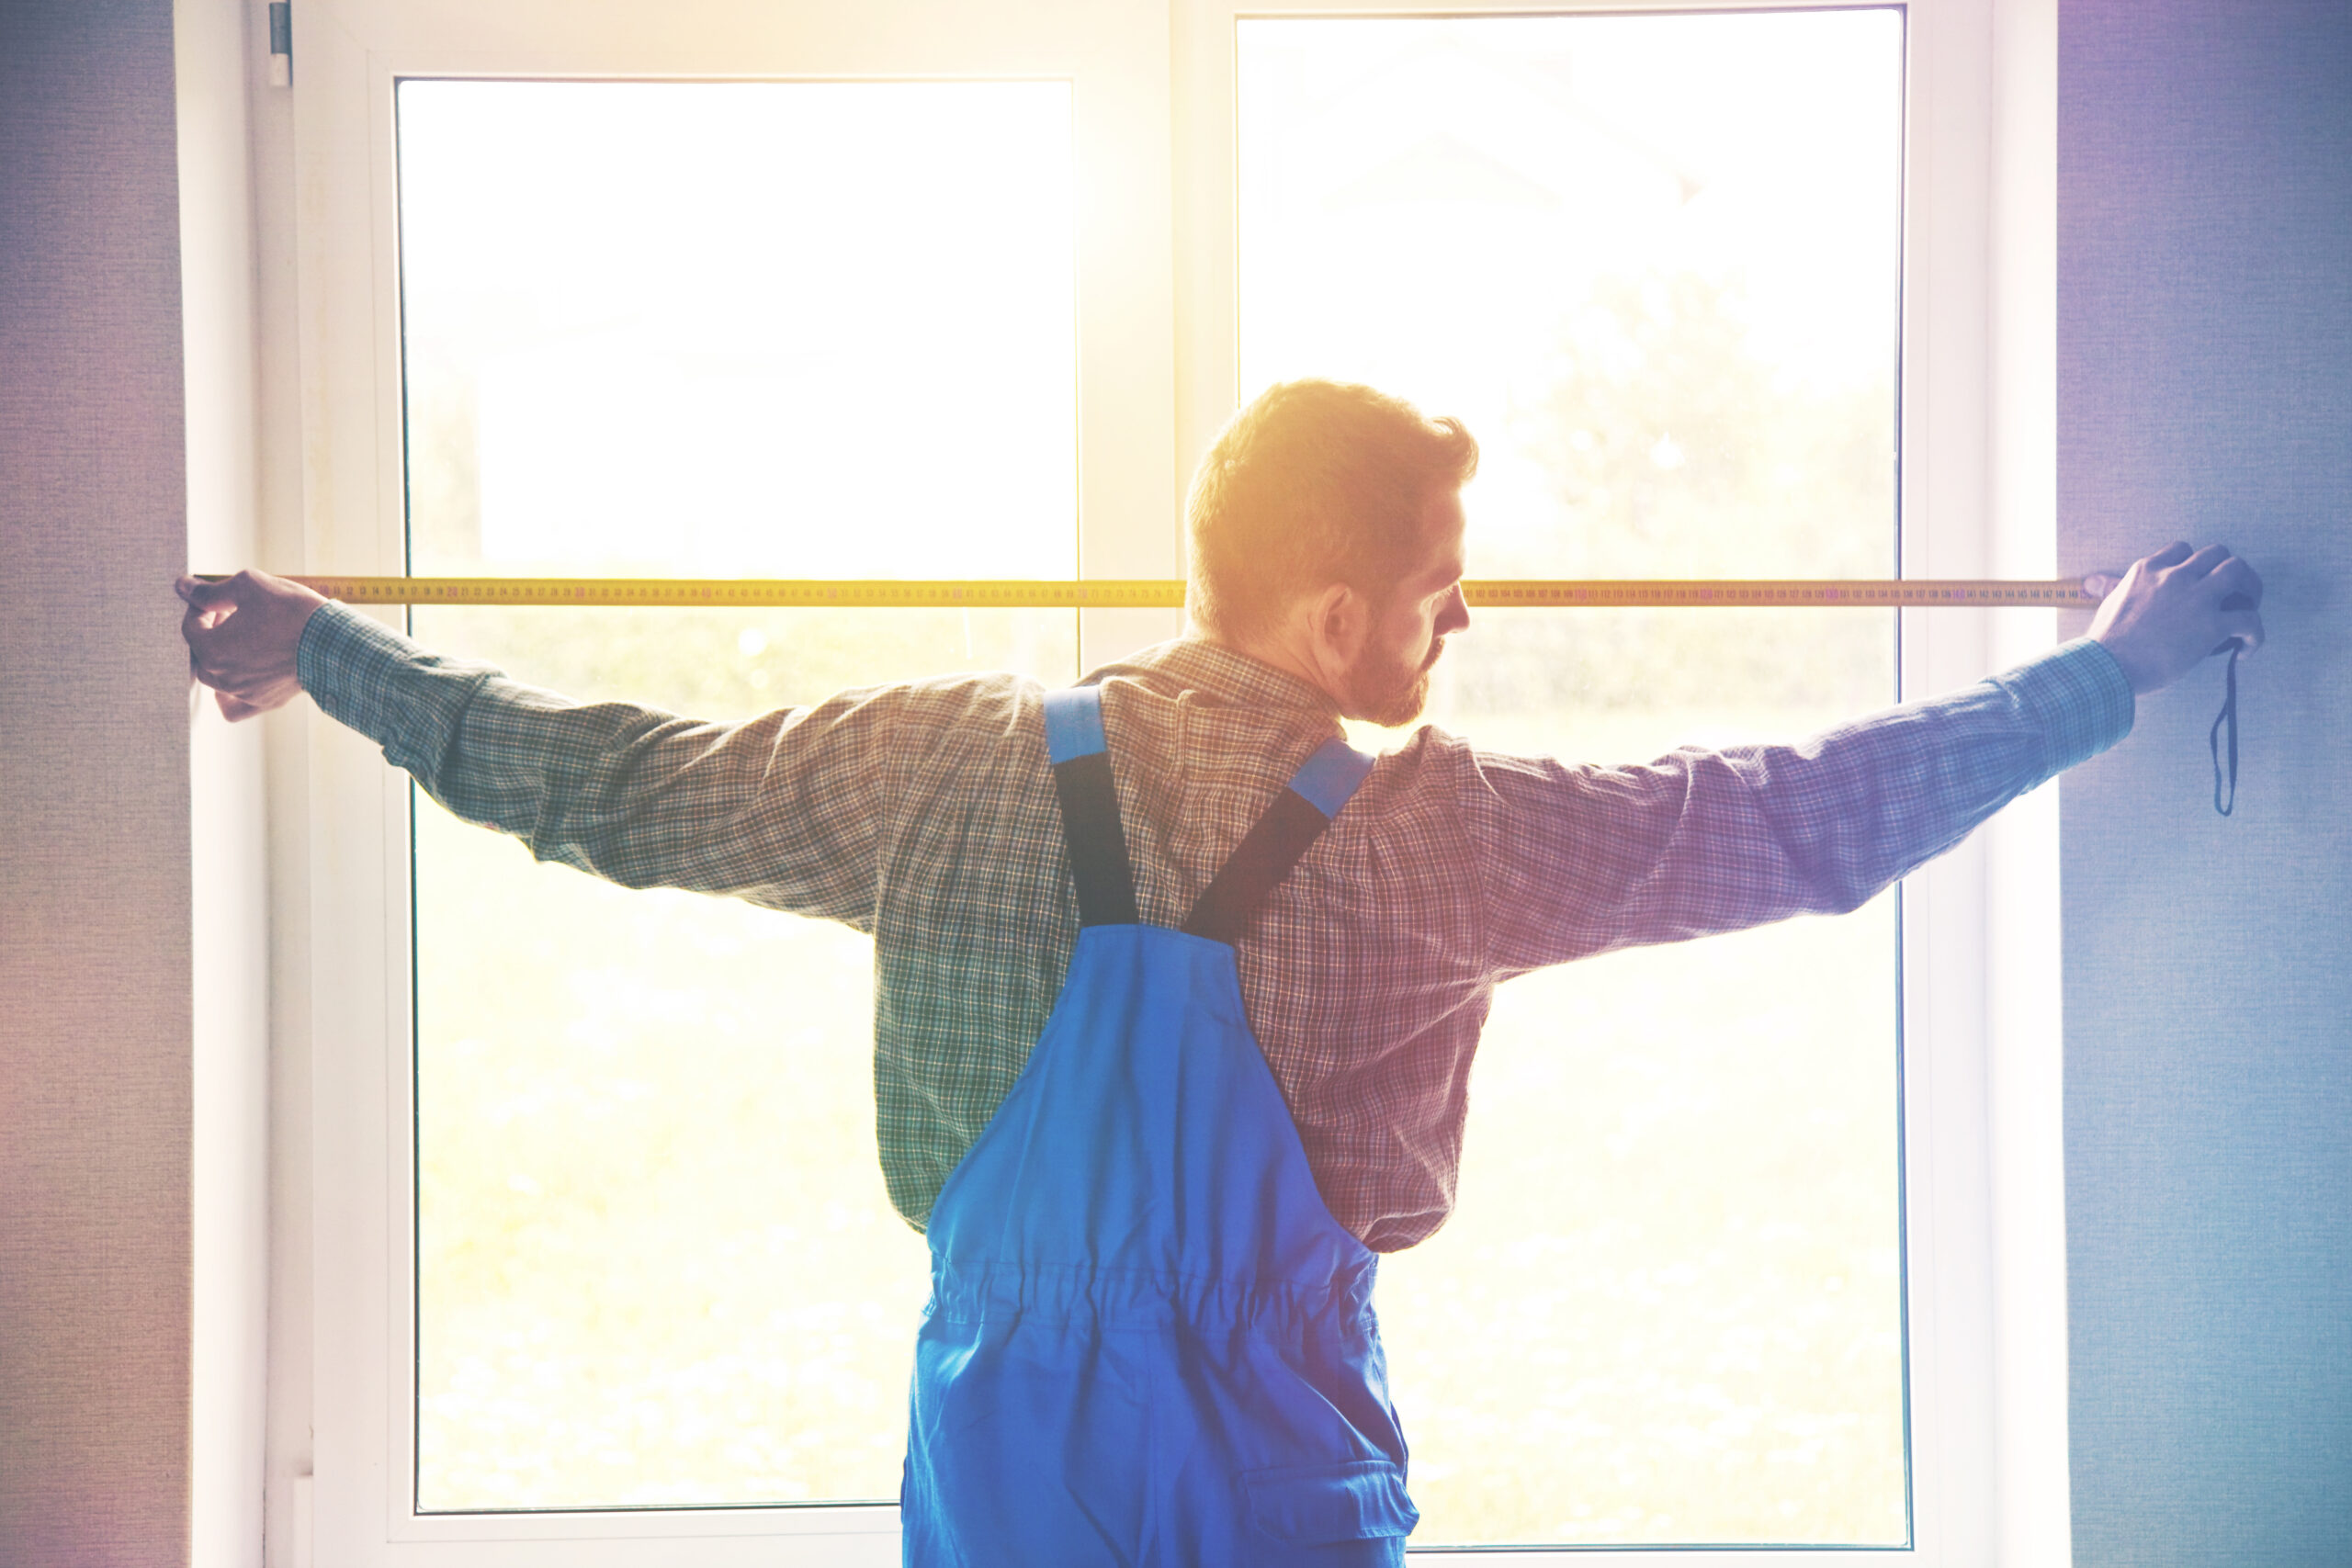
[2228, 716]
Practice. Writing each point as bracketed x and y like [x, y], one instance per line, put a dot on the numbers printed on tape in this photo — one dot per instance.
[1167, 593]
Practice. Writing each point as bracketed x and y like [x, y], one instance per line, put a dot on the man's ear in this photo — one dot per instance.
[1339, 621]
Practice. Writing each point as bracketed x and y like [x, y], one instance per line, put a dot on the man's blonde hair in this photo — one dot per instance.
[1316, 482]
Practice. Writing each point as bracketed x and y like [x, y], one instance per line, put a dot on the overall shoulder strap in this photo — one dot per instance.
[1323, 783]
[1090, 801]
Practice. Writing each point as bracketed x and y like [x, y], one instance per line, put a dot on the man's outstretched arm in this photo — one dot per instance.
[1578, 860]
[784, 809]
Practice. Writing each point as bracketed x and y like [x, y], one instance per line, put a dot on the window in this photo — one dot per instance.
[1654, 261]
[645, 331]
[568, 276]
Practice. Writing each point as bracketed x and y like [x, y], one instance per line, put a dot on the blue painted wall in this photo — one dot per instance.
[2205, 392]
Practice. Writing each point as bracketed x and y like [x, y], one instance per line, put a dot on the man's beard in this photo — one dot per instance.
[1392, 694]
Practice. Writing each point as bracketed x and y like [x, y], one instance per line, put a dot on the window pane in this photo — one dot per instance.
[723, 329]
[1653, 261]
[747, 329]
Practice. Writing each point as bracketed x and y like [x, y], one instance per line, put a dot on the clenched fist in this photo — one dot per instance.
[2174, 609]
[242, 633]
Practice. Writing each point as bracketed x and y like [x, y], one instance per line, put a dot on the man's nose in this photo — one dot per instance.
[1455, 613]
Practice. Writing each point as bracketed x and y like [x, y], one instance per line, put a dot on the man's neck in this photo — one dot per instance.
[1273, 653]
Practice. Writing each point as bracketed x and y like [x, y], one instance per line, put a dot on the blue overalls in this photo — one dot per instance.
[1148, 1342]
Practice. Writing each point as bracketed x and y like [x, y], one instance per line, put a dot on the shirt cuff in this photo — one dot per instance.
[2079, 697]
[391, 690]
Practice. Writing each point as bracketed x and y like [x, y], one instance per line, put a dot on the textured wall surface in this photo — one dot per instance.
[2205, 392]
[93, 794]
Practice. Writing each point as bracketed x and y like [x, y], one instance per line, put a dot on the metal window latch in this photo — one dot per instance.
[281, 43]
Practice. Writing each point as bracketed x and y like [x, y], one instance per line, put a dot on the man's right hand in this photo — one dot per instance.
[242, 636]
[2174, 609]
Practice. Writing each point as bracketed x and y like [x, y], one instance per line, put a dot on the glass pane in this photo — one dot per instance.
[741, 328]
[1652, 261]
[717, 329]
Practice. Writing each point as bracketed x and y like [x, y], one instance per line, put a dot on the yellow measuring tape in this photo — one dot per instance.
[1111, 594]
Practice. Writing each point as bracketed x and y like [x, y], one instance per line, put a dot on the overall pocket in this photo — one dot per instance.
[1325, 1505]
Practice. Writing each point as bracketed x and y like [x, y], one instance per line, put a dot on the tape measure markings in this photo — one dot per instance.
[1159, 593]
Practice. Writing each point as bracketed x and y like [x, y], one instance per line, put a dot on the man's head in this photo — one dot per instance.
[1325, 531]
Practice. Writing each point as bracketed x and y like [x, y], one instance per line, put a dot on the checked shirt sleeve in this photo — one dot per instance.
[781, 809]
[1579, 860]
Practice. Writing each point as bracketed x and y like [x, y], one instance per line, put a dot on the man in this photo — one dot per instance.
[1176, 996]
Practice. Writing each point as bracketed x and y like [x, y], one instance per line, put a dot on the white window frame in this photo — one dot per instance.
[1153, 118]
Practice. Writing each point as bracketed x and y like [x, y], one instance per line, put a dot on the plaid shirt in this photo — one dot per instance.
[925, 815]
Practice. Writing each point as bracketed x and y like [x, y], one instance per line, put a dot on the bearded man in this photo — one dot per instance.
[1176, 994]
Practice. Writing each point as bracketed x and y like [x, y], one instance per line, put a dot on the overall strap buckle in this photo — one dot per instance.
[1324, 784]
[1098, 845]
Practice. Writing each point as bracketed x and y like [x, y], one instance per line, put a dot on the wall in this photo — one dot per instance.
[2205, 392]
[95, 1080]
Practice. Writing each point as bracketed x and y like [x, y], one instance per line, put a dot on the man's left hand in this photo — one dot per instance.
[242, 636]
